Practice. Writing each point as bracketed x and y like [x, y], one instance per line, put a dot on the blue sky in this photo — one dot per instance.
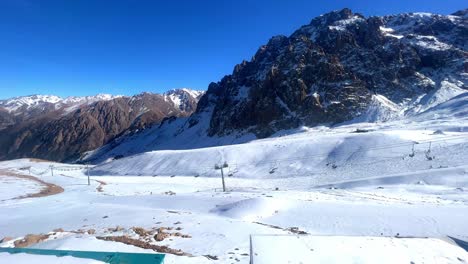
[87, 47]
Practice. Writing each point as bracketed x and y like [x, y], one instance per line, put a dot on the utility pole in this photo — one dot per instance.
[87, 170]
[222, 177]
[221, 167]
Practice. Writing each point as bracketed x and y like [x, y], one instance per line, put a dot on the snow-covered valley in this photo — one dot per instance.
[363, 180]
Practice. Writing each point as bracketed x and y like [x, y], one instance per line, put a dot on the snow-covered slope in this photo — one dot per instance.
[16, 103]
[383, 213]
[456, 108]
[381, 109]
[331, 154]
[443, 108]
[183, 99]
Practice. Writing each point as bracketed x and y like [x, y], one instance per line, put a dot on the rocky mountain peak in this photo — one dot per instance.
[183, 99]
[334, 17]
[461, 13]
[341, 67]
[329, 71]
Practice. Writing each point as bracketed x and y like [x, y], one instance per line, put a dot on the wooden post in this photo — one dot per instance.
[52, 170]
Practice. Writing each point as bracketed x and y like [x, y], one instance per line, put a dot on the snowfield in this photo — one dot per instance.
[321, 249]
[324, 185]
[12, 187]
[384, 192]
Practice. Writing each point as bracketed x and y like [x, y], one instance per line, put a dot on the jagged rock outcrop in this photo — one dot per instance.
[328, 71]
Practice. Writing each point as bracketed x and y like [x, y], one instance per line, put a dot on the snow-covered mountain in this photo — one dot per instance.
[19, 105]
[333, 69]
[57, 128]
[183, 99]
[341, 68]
[16, 103]
[21, 109]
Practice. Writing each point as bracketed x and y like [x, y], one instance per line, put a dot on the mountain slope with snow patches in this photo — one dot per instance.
[54, 128]
[340, 69]
[18, 105]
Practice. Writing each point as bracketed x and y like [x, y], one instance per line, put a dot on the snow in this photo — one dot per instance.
[252, 209]
[23, 258]
[452, 109]
[427, 202]
[422, 14]
[384, 29]
[319, 249]
[178, 97]
[381, 109]
[175, 100]
[34, 101]
[388, 32]
[12, 187]
[430, 42]
[446, 92]
[16, 103]
[357, 184]
[405, 176]
[193, 93]
[299, 155]
[341, 25]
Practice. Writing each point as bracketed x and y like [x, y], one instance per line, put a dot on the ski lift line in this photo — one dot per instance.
[324, 172]
[274, 162]
[68, 169]
[382, 147]
[384, 159]
[326, 154]
[341, 165]
[39, 173]
[348, 163]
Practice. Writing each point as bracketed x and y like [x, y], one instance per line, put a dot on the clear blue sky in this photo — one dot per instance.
[86, 47]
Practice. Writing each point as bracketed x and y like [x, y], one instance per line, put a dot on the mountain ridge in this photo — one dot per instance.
[333, 70]
[66, 128]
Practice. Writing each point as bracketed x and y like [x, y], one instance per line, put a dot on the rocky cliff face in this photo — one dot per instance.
[63, 129]
[342, 66]
[330, 71]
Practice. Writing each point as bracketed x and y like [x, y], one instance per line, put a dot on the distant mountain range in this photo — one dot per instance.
[61, 129]
[341, 67]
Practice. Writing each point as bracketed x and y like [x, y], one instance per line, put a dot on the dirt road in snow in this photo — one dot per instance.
[47, 188]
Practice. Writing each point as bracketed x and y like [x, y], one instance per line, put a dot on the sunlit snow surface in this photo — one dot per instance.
[12, 187]
[373, 181]
[342, 249]
[380, 192]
